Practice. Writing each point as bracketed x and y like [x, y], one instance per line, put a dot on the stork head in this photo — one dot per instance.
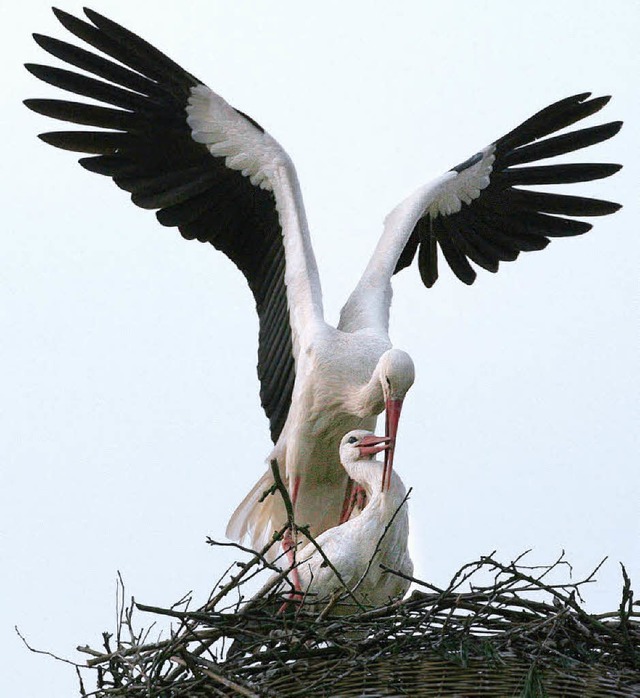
[397, 373]
[360, 445]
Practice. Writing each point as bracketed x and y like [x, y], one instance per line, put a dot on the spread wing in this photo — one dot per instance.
[207, 168]
[483, 211]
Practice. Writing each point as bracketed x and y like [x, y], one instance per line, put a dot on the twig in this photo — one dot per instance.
[280, 486]
[241, 690]
[45, 652]
[379, 543]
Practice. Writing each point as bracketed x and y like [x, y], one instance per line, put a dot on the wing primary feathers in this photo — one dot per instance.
[557, 116]
[482, 215]
[527, 200]
[106, 165]
[408, 253]
[471, 245]
[174, 194]
[141, 139]
[455, 258]
[559, 145]
[86, 141]
[555, 174]
[552, 226]
[90, 87]
[144, 52]
[103, 68]
[86, 114]
[152, 63]
[428, 253]
[504, 247]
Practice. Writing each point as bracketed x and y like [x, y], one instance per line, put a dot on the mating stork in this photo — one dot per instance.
[215, 174]
[357, 548]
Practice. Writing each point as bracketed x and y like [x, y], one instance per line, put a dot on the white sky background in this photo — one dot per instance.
[130, 420]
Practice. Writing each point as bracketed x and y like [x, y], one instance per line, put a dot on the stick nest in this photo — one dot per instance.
[519, 634]
[496, 630]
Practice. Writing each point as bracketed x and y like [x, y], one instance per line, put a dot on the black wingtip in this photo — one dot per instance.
[31, 104]
[68, 21]
[616, 126]
[61, 15]
[33, 68]
[94, 16]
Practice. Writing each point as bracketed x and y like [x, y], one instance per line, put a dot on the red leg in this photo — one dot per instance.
[347, 504]
[289, 547]
[360, 497]
[355, 496]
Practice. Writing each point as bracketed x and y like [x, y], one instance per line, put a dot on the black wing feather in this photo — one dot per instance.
[505, 220]
[145, 145]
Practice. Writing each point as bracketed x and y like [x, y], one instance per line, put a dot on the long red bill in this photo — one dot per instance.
[391, 420]
[370, 445]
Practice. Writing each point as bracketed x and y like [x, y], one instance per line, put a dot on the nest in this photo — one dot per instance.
[496, 630]
[518, 635]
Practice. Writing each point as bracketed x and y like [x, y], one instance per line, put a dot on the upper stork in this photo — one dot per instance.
[215, 174]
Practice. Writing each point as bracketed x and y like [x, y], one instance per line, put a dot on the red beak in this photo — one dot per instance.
[391, 418]
[370, 445]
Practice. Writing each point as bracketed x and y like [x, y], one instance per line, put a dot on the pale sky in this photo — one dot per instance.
[130, 420]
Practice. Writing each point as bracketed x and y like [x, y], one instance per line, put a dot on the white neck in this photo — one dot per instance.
[368, 399]
[368, 473]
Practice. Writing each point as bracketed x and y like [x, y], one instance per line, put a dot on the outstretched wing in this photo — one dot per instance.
[211, 170]
[477, 211]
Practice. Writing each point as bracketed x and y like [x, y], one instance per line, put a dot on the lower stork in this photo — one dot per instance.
[358, 547]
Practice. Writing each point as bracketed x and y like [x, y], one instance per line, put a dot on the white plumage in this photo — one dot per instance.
[357, 548]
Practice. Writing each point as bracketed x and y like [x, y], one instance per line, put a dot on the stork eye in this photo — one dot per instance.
[351, 440]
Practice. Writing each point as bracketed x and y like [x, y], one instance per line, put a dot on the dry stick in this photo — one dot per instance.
[234, 582]
[626, 604]
[45, 652]
[102, 657]
[273, 582]
[546, 568]
[415, 580]
[305, 531]
[257, 557]
[489, 601]
[280, 486]
[569, 600]
[232, 544]
[459, 578]
[238, 688]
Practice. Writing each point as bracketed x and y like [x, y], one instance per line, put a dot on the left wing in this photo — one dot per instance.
[209, 170]
[477, 211]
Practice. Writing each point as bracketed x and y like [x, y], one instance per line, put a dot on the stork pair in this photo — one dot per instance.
[215, 174]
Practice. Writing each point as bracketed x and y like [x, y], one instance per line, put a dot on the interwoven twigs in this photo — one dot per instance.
[522, 633]
[523, 625]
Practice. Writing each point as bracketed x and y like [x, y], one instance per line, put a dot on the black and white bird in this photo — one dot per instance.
[215, 174]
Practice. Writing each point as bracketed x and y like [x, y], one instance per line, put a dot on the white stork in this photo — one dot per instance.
[219, 177]
[358, 547]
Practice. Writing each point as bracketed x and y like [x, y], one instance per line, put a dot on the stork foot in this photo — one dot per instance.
[289, 547]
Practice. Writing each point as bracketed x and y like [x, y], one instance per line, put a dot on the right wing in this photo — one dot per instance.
[477, 211]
